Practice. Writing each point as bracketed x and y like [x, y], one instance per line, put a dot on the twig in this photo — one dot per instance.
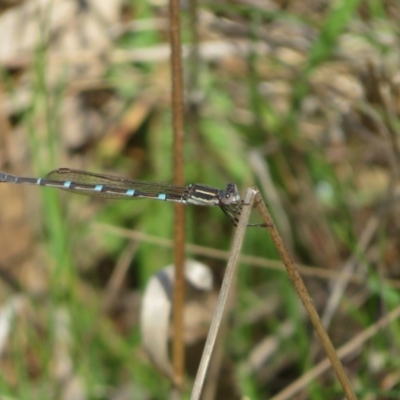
[179, 237]
[305, 298]
[223, 296]
[349, 348]
[307, 270]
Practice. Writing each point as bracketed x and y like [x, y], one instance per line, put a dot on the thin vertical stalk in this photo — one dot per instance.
[177, 121]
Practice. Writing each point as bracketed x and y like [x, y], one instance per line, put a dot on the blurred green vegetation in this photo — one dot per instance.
[308, 112]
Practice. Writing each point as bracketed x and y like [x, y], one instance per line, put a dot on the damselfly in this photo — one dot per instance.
[115, 187]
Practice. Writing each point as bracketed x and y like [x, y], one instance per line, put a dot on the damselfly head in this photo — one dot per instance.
[230, 195]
